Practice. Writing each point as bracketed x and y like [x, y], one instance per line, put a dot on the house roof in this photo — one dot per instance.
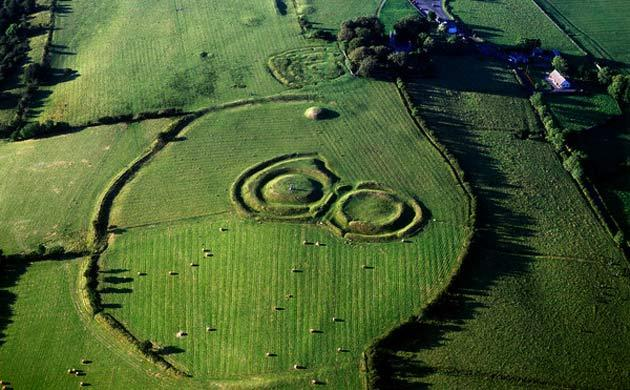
[557, 77]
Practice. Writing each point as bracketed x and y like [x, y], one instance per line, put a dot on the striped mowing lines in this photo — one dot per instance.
[178, 202]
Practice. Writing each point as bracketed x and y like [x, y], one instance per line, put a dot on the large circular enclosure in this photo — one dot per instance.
[291, 187]
[371, 212]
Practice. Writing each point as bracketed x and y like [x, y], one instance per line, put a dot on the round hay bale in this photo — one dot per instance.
[314, 113]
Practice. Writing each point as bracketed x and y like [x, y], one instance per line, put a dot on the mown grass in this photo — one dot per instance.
[394, 10]
[601, 26]
[329, 14]
[49, 187]
[505, 22]
[249, 273]
[193, 54]
[541, 300]
[579, 112]
[43, 333]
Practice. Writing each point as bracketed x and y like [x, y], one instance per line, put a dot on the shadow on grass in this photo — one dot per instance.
[10, 273]
[500, 230]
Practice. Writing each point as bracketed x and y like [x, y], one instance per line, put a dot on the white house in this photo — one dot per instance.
[558, 80]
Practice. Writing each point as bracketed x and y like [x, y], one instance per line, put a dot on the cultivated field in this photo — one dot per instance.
[602, 26]
[246, 289]
[41, 180]
[505, 22]
[542, 300]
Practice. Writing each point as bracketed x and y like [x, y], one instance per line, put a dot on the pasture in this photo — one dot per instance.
[601, 26]
[578, 112]
[394, 10]
[44, 331]
[329, 14]
[262, 285]
[505, 22]
[541, 301]
[41, 180]
[191, 55]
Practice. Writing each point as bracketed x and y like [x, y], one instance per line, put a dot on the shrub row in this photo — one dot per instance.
[573, 163]
[375, 363]
[126, 118]
[146, 347]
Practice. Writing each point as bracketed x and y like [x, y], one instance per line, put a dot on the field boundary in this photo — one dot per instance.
[99, 233]
[371, 357]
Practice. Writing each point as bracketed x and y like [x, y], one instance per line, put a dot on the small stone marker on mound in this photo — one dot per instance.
[314, 113]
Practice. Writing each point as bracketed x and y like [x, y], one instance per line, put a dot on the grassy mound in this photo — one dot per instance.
[293, 189]
[297, 187]
[306, 66]
[373, 213]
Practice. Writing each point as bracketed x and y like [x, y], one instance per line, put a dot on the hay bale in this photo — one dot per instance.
[313, 330]
[172, 273]
[181, 334]
[317, 243]
[210, 329]
[298, 367]
[314, 113]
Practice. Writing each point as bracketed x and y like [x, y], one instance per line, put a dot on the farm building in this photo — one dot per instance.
[558, 80]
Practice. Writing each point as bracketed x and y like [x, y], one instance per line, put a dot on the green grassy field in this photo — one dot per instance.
[41, 180]
[128, 65]
[507, 21]
[236, 290]
[601, 26]
[394, 10]
[579, 112]
[330, 13]
[541, 303]
[44, 331]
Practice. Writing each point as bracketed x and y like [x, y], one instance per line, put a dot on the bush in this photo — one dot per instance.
[604, 76]
[560, 64]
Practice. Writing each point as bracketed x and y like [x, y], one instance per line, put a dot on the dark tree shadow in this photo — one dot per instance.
[10, 274]
[171, 350]
[499, 248]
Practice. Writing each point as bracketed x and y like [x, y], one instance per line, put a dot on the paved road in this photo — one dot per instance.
[425, 6]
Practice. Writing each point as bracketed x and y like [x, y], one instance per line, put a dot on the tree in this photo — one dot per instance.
[408, 28]
[360, 53]
[369, 67]
[604, 75]
[618, 88]
[527, 44]
[431, 15]
[398, 60]
[560, 64]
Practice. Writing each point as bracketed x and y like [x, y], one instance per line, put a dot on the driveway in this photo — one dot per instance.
[424, 6]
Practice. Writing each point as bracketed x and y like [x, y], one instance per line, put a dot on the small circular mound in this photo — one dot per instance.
[296, 187]
[292, 189]
[370, 206]
[314, 113]
[373, 213]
